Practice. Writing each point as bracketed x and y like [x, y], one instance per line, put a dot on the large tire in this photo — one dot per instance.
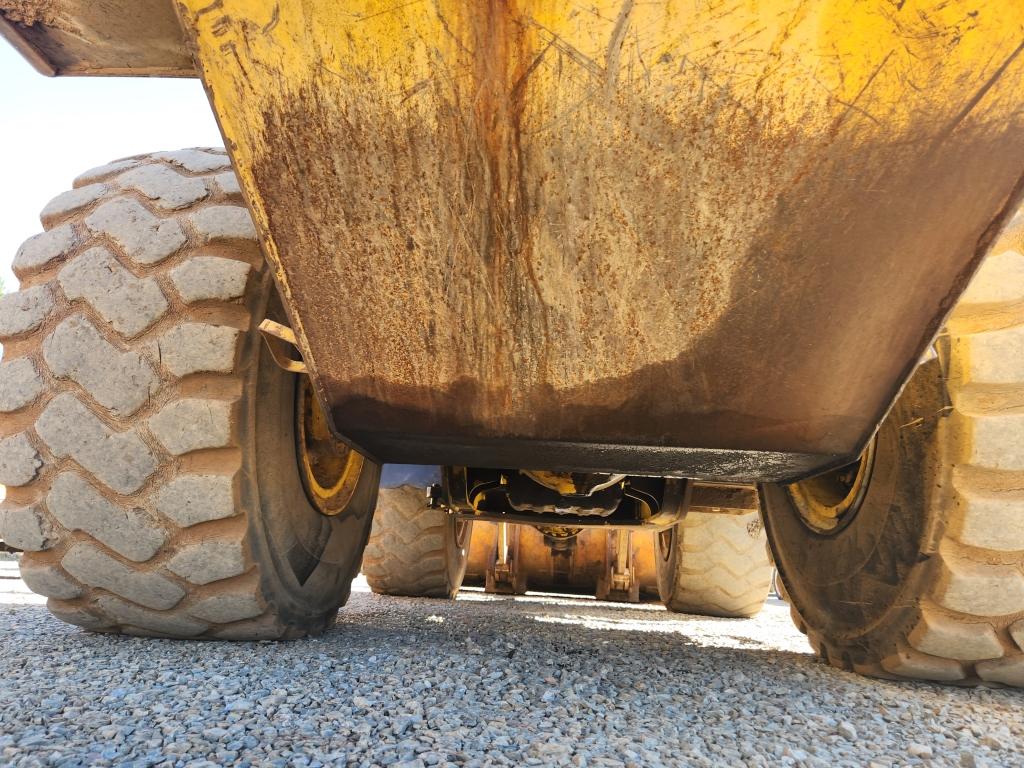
[714, 565]
[148, 442]
[924, 577]
[415, 550]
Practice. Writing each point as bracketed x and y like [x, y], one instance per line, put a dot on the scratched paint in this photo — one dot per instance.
[715, 225]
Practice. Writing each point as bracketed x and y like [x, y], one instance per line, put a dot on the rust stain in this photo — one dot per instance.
[747, 379]
[502, 248]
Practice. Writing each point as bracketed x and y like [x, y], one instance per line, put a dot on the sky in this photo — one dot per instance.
[52, 129]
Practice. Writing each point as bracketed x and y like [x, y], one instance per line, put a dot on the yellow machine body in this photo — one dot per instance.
[703, 239]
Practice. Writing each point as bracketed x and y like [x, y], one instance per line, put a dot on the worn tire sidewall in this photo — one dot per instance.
[667, 566]
[456, 557]
[284, 527]
[860, 588]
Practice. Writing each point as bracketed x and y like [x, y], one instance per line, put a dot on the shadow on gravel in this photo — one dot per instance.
[522, 632]
[527, 638]
[541, 680]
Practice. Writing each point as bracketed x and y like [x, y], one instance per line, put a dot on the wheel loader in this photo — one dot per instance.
[566, 271]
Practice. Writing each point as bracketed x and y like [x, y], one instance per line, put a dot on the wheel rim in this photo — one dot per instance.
[829, 502]
[330, 469]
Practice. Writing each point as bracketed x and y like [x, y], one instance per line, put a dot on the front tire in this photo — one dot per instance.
[918, 570]
[148, 442]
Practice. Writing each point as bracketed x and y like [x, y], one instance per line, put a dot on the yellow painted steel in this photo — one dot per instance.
[828, 58]
[726, 226]
[330, 471]
[814, 67]
[869, 69]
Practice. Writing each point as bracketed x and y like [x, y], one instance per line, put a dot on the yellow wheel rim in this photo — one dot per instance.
[330, 469]
[829, 502]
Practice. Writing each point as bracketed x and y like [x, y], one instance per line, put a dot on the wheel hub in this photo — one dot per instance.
[330, 469]
[829, 502]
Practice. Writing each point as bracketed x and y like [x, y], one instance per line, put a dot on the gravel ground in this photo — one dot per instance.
[540, 680]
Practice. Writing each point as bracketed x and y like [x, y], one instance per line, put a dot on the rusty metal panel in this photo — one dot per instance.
[713, 235]
[98, 37]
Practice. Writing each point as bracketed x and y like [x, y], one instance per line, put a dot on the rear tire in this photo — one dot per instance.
[924, 576]
[415, 550]
[148, 442]
[714, 565]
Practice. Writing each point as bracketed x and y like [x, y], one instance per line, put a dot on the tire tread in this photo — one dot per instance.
[406, 554]
[97, 607]
[975, 588]
[724, 568]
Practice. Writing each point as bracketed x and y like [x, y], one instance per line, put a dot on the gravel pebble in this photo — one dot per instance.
[919, 750]
[486, 680]
[847, 731]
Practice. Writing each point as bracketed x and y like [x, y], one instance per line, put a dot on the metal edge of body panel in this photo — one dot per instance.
[28, 51]
[656, 461]
[98, 38]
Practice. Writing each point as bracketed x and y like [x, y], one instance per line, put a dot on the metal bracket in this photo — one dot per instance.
[504, 575]
[279, 339]
[619, 581]
[724, 499]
